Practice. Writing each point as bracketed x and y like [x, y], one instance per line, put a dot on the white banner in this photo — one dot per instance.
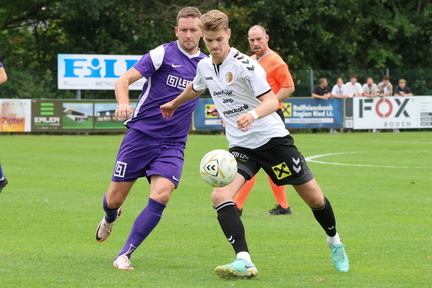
[15, 115]
[94, 72]
[392, 112]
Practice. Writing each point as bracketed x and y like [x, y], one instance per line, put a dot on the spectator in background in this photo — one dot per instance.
[339, 89]
[385, 88]
[402, 89]
[370, 89]
[353, 87]
[321, 91]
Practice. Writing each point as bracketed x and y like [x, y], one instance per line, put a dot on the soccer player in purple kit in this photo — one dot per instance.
[3, 78]
[152, 147]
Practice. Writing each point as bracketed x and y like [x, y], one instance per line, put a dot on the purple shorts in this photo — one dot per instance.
[143, 156]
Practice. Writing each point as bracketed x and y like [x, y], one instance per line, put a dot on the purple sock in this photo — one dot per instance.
[111, 214]
[143, 225]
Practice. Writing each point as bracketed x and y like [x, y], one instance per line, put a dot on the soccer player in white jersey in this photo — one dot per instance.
[257, 138]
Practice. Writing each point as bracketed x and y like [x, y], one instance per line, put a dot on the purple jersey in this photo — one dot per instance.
[1, 64]
[168, 70]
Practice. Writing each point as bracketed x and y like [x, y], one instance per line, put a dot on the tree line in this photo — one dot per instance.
[336, 35]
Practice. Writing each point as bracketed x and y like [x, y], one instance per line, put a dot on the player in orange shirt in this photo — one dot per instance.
[282, 84]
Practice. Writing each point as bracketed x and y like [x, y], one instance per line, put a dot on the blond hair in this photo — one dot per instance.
[214, 20]
[187, 12]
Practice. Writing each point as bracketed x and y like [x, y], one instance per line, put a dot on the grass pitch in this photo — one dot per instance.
[379, 186]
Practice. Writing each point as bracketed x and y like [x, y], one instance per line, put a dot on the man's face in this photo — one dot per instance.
[258, 41]
[217, 43]
[339, 82]
[369, 81]
[188, 34]
[402, 84]
[353, 80]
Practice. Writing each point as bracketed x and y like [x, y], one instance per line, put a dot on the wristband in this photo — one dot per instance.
[254, 114]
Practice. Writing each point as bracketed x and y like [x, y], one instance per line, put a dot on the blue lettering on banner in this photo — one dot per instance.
[92, 68]
[94, 71]
[70, 67]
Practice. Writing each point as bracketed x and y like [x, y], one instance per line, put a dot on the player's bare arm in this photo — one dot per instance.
[124, 110]
[284, 93]
[3, 75]
[269, 104]
[325, 96]
[188, 94]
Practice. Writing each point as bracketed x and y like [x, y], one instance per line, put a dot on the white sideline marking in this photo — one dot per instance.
[312, 159]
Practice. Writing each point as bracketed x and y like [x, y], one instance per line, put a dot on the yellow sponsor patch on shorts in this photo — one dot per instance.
[281, 171]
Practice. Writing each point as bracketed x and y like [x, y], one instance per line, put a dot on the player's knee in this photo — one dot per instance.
[161, 196]
[218, 196]
[114, 202]
[316, 202]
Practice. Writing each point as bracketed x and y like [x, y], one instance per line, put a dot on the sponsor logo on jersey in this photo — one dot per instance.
[229, 77]
[236, 110]
[177, 82]
[224, 92]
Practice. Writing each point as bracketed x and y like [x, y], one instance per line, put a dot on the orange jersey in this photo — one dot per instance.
[277, 71]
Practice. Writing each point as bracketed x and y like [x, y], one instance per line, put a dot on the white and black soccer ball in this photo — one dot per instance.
[218, 168]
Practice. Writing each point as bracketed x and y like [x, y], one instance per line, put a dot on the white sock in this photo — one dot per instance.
[244, 256]
[335, 240]
[2, 178]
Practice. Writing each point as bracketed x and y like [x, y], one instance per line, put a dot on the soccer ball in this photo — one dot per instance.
[218, 168]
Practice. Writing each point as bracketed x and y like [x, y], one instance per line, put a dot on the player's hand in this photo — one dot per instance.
[244, 121]
[212, 111]
[223, 122]
[168, 109]
[123, 112]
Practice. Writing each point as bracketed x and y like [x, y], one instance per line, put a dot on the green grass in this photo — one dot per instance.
[50, 210]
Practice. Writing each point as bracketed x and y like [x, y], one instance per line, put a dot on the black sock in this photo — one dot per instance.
[232, 226]
[326, 218]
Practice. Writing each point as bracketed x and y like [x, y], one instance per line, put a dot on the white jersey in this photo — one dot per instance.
[234, 86]
[354, 89]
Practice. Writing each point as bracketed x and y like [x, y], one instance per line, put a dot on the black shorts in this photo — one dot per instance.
[279, 158]
[281, 115]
